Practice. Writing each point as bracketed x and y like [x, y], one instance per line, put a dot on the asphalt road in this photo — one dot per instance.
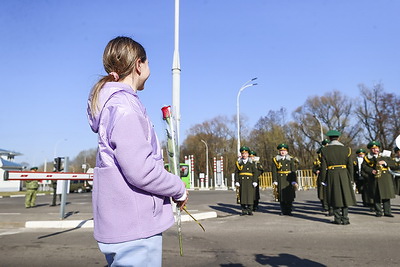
[265, 239]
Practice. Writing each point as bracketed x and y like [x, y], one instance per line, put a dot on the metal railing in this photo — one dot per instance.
[305, 178]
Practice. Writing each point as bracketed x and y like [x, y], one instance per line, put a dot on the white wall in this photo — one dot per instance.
[8, 186]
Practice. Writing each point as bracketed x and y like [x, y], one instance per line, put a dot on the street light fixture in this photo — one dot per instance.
[206, 161]
[320, 125]
[244, 86]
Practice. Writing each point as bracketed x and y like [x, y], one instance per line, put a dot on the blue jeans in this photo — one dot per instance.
[142, 252]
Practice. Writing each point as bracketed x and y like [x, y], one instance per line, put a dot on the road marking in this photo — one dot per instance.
[10, 233]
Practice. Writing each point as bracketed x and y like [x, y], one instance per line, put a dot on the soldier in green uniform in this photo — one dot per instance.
[396, 171]
[321, 190]
[246, 181]
[260, 170]
[337, 175]
[284, 177]
[380, 182]
[360, 180]
[31, 191]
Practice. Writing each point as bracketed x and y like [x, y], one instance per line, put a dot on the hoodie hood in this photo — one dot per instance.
[106, 92]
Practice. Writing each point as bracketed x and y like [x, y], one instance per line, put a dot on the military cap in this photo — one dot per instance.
[34, 168]
[396, 149]
[244, 148]
[325, 142]
[359, 151]
[373, 144]
[252, 152]
[333, 133]
[282, 147]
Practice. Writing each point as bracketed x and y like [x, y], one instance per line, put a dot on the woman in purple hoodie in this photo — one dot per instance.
[131, 188]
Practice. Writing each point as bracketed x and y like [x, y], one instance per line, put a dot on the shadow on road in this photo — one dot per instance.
[65, 231]
[284, 259]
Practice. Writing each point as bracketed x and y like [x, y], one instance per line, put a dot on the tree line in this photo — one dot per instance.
[373, 115]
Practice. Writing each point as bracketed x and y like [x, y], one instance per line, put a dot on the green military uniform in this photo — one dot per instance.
[337, 175]
[284, 175]
[260, 170]
[246, 180]
[31, 191]
[396, 171]
[380, 186]
[321, 190]
[360, 180]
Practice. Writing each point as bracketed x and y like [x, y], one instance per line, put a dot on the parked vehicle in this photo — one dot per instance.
[80, 186]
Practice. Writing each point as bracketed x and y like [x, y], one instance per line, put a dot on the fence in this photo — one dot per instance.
[305, 178]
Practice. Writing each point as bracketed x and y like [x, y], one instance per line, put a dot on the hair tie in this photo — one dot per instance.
[115, 75]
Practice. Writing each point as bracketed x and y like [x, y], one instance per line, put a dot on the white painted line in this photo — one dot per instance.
[89, 223]
[60, 224]
[198, 216]
[10, 233]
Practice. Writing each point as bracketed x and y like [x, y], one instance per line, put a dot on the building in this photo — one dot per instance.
[7, 164]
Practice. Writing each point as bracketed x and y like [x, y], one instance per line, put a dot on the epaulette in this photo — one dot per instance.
[240, 167]
[277, 164]
[368, 161]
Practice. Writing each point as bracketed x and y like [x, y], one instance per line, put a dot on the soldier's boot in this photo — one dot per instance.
[387, 210]
[250, 209]
[244, 210]
[345, 216]
[378, 208]
[337, 216]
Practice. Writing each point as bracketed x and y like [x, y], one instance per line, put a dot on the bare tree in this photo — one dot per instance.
[268, 132]
[219, 134]
[378, 114]
[333, 110]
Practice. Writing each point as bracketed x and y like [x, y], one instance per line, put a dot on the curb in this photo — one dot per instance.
[89, 223]
[39, 194]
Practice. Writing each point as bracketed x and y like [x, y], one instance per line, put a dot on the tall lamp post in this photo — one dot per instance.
[206, 162]
[176, 76]
[244, 86]
[320, 126]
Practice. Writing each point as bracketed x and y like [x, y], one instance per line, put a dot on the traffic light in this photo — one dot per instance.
[58, 164]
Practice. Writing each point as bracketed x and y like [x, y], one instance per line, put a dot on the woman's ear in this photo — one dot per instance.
[138, 66]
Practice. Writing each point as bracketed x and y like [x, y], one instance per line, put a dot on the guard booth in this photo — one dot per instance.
[185, 173]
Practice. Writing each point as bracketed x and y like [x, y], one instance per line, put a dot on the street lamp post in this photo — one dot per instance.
[244, 86]
[206, 162]
[320, 125]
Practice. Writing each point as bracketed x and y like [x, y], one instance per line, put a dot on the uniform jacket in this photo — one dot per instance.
[396, 175]
[131, 188]
[316, 169]
[284, 172]
[337, 174]
[384, 184]
[32, 184]
[246, 175]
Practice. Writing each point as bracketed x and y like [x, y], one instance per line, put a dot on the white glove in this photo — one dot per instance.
[255, 184]
[324, 184]
[237, 184]
[275, 183]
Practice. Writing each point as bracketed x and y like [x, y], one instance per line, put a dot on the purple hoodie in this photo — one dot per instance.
[131, 188]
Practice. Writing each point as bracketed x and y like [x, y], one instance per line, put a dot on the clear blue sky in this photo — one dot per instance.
[51, 55]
